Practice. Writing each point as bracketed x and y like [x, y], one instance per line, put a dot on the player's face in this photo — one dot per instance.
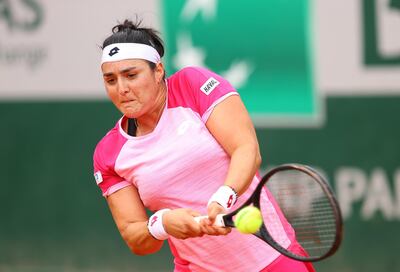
[133, 86]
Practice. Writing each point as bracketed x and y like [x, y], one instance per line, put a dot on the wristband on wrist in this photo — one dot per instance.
[156, 227]
[225, 196]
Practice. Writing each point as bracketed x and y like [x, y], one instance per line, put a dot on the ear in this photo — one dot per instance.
[159, 72]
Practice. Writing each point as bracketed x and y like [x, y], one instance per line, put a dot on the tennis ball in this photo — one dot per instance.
[248, 220]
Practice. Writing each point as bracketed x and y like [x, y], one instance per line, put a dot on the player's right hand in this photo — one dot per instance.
[180, 223]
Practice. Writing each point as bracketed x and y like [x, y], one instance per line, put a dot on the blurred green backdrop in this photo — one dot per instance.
[321, 92]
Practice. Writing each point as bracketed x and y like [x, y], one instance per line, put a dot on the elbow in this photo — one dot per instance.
[140, 244]
[143, 251]
[140, 252]
[143, 247]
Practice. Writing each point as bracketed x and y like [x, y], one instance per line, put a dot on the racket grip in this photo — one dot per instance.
[219, 220]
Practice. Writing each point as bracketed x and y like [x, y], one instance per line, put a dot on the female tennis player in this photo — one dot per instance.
[184, 146]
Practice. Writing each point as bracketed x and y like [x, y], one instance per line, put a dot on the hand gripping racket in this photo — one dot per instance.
[306, 202]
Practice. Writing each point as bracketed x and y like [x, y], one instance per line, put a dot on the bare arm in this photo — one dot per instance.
[131, 219]
[231, 126]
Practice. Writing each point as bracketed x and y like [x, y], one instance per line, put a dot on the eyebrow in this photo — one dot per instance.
[121, 71]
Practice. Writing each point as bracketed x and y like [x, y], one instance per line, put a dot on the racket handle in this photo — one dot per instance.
[219, 220]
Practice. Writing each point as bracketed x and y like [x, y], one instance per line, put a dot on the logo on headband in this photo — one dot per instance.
[113, 51]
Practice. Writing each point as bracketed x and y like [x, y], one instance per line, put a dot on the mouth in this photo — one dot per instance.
[127, 101]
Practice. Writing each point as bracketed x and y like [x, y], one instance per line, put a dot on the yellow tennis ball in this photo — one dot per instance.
[248, 220]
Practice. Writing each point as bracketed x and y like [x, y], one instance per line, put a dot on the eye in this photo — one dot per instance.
[110, 81]
[131, 75]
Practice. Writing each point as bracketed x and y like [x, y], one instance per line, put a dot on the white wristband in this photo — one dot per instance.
[156, 227]
[224, 196]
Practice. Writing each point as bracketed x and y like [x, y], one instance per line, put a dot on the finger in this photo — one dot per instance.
[208, 222]
[209, 230]
[224, 231]
[194, 213]
[205, 226]
[220, 231]
[213, 230]
[205, 229]
[212, 213]
[196, 229]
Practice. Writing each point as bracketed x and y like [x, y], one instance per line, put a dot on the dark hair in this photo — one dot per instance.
[130, 32]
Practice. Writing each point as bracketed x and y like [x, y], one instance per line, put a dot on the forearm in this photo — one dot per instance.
[245, 161]
[139, 239]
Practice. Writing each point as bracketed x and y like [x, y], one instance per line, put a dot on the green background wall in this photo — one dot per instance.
[55, 219]
[315, 68]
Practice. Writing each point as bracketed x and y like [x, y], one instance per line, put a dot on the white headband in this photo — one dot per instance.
[123, 51]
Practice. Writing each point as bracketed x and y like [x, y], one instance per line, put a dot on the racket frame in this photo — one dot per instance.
[263, 233]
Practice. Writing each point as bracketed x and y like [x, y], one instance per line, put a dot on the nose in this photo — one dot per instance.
[122, 87]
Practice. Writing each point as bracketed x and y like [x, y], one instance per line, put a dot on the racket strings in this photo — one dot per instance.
[307, 209]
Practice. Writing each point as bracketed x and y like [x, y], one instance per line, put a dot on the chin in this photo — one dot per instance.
[131, 114]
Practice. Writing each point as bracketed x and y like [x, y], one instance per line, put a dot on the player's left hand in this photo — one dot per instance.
[212, 211]
[207, 223]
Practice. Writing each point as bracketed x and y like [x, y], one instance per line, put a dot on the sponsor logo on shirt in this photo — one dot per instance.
[184, 126]
[209, 86]
[98, 177]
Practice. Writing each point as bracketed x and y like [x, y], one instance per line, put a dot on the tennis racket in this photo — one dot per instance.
[306, 202]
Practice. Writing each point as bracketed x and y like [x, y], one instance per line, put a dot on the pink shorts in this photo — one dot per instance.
[284, 264]
[281, 264]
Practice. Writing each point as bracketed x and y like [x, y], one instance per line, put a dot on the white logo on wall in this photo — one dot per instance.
[360, 53]
[189, 54]
[51, 49]
[19, 20]
[388, 23]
